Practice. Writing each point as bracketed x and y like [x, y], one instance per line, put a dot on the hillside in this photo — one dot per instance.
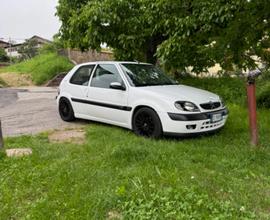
[41, 68]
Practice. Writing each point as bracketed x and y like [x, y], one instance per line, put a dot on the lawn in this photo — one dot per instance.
[117, 173]
[42, 67]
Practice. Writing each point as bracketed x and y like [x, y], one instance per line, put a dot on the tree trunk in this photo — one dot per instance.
[150, 55]
[152, 46]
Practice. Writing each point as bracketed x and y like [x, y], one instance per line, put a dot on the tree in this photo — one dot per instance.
[3, 55]
[180, 33]
[29, 49]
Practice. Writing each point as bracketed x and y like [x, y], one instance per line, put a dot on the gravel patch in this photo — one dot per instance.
[31, 110]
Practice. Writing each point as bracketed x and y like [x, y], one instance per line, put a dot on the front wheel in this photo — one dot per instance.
[147, 123]
[65, 110]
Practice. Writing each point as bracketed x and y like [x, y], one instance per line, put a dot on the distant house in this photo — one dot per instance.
[3, 44]
[12, 50]
[40, 41]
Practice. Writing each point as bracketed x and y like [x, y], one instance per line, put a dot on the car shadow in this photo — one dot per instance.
[169, 137]
[179, 137]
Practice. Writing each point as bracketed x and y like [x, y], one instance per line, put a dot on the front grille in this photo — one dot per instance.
[209, 125]
[210, 105]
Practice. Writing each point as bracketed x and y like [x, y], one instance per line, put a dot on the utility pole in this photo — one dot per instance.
[10, 50]
[1, 137]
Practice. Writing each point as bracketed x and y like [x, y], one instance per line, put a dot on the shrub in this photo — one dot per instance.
[232, 90]
[3, 55]
[28, 49]
[263, 96]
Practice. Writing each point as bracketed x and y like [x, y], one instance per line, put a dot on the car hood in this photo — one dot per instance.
[181, 93]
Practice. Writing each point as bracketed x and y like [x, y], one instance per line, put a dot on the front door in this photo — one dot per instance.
[107, 104]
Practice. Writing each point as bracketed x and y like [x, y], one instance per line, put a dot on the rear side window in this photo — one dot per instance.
[82, 75]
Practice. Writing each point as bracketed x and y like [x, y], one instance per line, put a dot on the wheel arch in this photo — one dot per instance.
[69, 113]
[64, 96]
[138, 107]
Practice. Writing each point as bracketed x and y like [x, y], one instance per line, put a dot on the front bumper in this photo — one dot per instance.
[175, 123]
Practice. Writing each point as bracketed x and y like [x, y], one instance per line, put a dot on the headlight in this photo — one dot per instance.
[186, 106]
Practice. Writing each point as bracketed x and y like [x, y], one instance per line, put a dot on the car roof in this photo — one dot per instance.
[112, 62]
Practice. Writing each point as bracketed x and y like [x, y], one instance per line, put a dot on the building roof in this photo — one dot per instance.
[4, 43]
[38, 38]
[14, 45]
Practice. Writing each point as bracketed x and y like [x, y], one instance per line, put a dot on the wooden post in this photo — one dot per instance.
[252, 112]
[1, 137]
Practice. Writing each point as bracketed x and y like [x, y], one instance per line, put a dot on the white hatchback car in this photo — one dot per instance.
[140, 97]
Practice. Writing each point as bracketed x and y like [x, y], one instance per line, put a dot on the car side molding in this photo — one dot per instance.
[102, 104]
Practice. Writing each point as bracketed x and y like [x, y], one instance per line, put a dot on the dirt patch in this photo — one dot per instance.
[2, 83]
[16, 79]
[18, 152]
[114, 215]
[75, 136]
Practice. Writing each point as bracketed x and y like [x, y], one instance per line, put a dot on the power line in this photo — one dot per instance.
[13, 38]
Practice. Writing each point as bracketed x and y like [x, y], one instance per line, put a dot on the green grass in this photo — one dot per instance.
[42, 67]
[210, 177]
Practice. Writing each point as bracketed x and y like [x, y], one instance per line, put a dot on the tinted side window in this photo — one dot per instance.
[82, 75]
[104, 75]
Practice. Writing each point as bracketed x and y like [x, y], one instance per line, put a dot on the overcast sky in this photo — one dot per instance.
[21, 19]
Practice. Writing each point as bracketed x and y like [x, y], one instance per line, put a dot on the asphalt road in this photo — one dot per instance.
[30, 110]
[8, 96]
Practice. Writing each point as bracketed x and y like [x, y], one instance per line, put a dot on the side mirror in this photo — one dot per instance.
[117, 85]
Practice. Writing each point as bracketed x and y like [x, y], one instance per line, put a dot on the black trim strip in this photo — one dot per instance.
[106, 105]
[197, 116]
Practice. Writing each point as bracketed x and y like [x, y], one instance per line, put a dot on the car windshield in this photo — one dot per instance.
[146, 75]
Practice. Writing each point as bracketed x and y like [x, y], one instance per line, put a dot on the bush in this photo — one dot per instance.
[263, 96]
[232, 90]
[28, 49]
[48, 48]
[3, 55]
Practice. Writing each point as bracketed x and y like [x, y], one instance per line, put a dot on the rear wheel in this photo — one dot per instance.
[147, 123]
[65, 110]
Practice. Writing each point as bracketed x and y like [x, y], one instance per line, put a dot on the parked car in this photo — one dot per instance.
[140, 97]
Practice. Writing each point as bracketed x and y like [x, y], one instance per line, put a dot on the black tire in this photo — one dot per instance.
[146, 123]
[65, 110]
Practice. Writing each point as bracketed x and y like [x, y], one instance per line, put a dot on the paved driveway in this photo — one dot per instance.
[30, 111]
